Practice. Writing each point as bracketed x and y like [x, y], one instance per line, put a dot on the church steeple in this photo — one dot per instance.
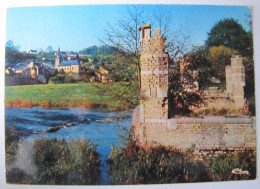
[58, 59]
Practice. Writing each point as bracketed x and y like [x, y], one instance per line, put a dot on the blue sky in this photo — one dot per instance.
[78, 27]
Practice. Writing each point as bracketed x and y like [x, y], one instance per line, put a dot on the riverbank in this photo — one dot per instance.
[95, 124]
[58, 96]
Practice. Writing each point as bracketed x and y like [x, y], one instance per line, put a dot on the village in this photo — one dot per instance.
[40, 71]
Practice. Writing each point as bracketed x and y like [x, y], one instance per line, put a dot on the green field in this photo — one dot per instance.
[58, 93]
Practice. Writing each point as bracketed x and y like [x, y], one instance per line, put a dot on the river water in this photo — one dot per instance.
[99, 126]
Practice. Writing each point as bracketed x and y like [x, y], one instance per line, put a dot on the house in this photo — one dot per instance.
[32, 52]
[31, 70]
[69, 65]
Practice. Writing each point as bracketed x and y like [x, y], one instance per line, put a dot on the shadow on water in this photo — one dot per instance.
[99, 126]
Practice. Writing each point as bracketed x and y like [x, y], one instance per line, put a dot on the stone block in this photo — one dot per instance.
[172, 123]
[162, 91]
[146, 92]
[156, 121]
[138, 114]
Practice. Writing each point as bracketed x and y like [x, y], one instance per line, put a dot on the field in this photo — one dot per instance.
[57, 95]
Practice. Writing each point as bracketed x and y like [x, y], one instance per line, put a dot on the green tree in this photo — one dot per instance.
[220, 57]
[181, 99]
[49, 49]
[62, 77]
[198, 59]
[230, 33]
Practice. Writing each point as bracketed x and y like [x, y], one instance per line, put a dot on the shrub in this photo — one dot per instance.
[58, 162]
[11, 144]
[62, 77]
[17, 176]
[130, 164]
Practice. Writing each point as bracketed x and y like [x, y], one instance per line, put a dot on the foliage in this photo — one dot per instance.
[230, 33]
[62, 77]
[220, 56]
[13, 56]
[198, 59]
[130, 164]
[11, 144]
[180, 98]
[124, 38]
[222, 167]
[59, 162]
[49, 49]
[250, 77]
[94, 50]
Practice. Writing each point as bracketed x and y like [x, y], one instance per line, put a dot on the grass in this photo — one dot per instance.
[58, 95]
[128, 163]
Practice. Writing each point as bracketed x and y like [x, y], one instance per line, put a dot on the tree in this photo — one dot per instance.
[220, 57]
[10, 44]
[230, 33]
[62, 77]
[198, 59]
[124, 37]
[49, 49]
[13, 56]
[181, 99]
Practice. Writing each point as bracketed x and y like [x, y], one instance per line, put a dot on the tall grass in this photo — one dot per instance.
[52, 161]
[221, 167]
[130, 164]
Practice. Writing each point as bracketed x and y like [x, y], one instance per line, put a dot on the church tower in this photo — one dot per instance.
[57, 59]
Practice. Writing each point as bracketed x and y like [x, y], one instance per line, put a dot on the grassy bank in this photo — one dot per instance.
[58, 95]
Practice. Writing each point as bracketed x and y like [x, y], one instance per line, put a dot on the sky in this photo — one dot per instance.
[72, 28]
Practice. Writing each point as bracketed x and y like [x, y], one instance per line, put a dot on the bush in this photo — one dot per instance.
[58, 162]
[11, 144]
[62, 77]
[130, 164]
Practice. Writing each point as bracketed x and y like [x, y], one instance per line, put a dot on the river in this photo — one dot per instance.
[99, 126]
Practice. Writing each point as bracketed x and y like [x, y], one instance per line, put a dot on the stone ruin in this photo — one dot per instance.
[154, 75]
[151, 125]
[230, 101]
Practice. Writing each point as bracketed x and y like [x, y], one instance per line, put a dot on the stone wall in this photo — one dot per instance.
[213, 133]
[151, 125]
[231, 100]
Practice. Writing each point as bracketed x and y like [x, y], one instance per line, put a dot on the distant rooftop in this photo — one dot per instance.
[68, 63]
